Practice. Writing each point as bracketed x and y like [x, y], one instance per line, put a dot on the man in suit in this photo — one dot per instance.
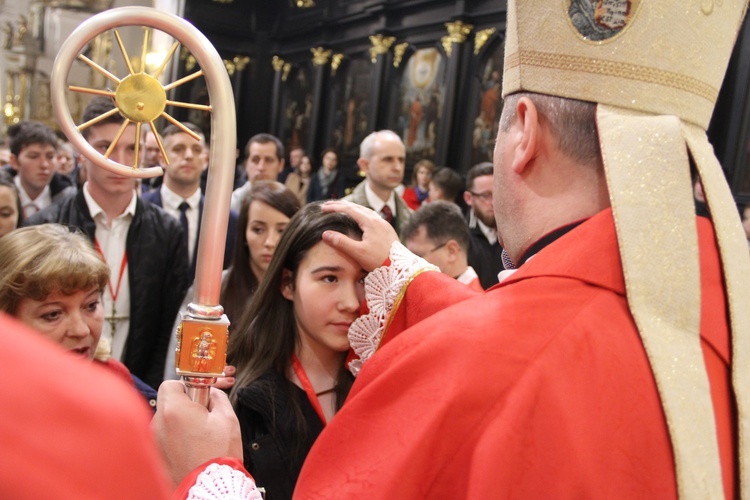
[180, 194]
[485, 252]
[33, 149]
[142, 245]
[150, 157]
[264, 161]
[381, 157]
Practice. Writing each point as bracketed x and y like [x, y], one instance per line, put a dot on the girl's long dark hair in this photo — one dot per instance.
[240, 283]
[266, 335]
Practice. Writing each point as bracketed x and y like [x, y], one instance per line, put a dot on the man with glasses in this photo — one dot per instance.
[484, 249]
[437, 232]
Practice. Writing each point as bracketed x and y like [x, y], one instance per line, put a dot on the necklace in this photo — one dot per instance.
[113, 318]
[327, 391]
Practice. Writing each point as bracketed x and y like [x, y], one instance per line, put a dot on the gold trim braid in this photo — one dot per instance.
[612, 68]
[650, 192]
[736, 265]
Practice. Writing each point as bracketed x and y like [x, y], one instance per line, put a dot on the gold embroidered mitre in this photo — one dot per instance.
[659, 57]
[655, 68]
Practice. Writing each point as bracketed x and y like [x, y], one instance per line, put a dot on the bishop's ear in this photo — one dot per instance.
[287, 284]
[527, 134]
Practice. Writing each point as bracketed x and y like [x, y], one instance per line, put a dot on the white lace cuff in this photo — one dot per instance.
[383, 289]
[220, 481]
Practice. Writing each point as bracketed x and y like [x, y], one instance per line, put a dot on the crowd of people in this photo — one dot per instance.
[474, 336]
[138, 241]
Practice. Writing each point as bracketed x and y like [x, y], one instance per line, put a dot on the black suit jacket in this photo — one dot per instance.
[486, 259]
[155, 198]
[157, 271]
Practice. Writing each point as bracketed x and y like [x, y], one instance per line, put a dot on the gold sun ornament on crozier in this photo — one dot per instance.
[140, 97]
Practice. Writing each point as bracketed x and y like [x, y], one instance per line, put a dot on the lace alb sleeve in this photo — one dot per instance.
[384, 288]
[222, 482]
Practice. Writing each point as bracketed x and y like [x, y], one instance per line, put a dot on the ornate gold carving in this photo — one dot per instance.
[190, 63]
[305, 4]
[398, 53]
[457, 33]
[280, 65]
[21, 52]
[230, 66]
[12, 110]
[321, 55]
[203, 351]
[201, 347]
[8, 34]
[336, 62]
[21, 37]
[18, 38]
[241, 62]
[277, 63]
[236, 64]
[380, 45]
[481, 38]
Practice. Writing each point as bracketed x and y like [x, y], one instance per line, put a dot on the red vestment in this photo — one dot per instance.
[70, 428]
[538, 388]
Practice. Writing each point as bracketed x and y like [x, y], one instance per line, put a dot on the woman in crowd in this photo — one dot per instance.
[52, 280]
[264, 214]
[417, 193]
[11, 213]
[290, 348]
[299, 182]
[328, 182]
[66, 158]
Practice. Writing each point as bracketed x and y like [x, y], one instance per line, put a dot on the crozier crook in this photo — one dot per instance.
[140, 98]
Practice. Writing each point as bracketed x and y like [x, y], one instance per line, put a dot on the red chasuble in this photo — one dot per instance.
[70, 429]
[538, 388]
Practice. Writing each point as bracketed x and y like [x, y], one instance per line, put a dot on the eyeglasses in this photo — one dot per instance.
[435, 249]
[482, 196]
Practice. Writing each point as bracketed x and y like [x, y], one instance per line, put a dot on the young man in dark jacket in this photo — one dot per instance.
[142, 245]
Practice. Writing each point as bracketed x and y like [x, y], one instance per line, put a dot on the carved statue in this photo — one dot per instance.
[21, 35]
[8, 32]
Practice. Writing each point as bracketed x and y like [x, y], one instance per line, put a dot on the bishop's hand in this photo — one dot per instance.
[377, 235]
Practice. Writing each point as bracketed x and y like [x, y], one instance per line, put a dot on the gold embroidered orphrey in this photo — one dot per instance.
[597, 20]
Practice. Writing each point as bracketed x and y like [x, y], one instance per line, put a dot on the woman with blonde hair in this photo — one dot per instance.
[52, 280]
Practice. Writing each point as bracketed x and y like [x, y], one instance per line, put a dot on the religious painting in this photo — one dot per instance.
[421, 96]
[490, 104]
[597, 20]
[351, 109]
[297, 107]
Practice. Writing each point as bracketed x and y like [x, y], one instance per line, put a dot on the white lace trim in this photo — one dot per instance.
[220, 481]
[382, 288]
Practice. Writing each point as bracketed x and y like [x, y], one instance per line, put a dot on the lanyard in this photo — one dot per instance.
[116, 291]
[308, 388]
